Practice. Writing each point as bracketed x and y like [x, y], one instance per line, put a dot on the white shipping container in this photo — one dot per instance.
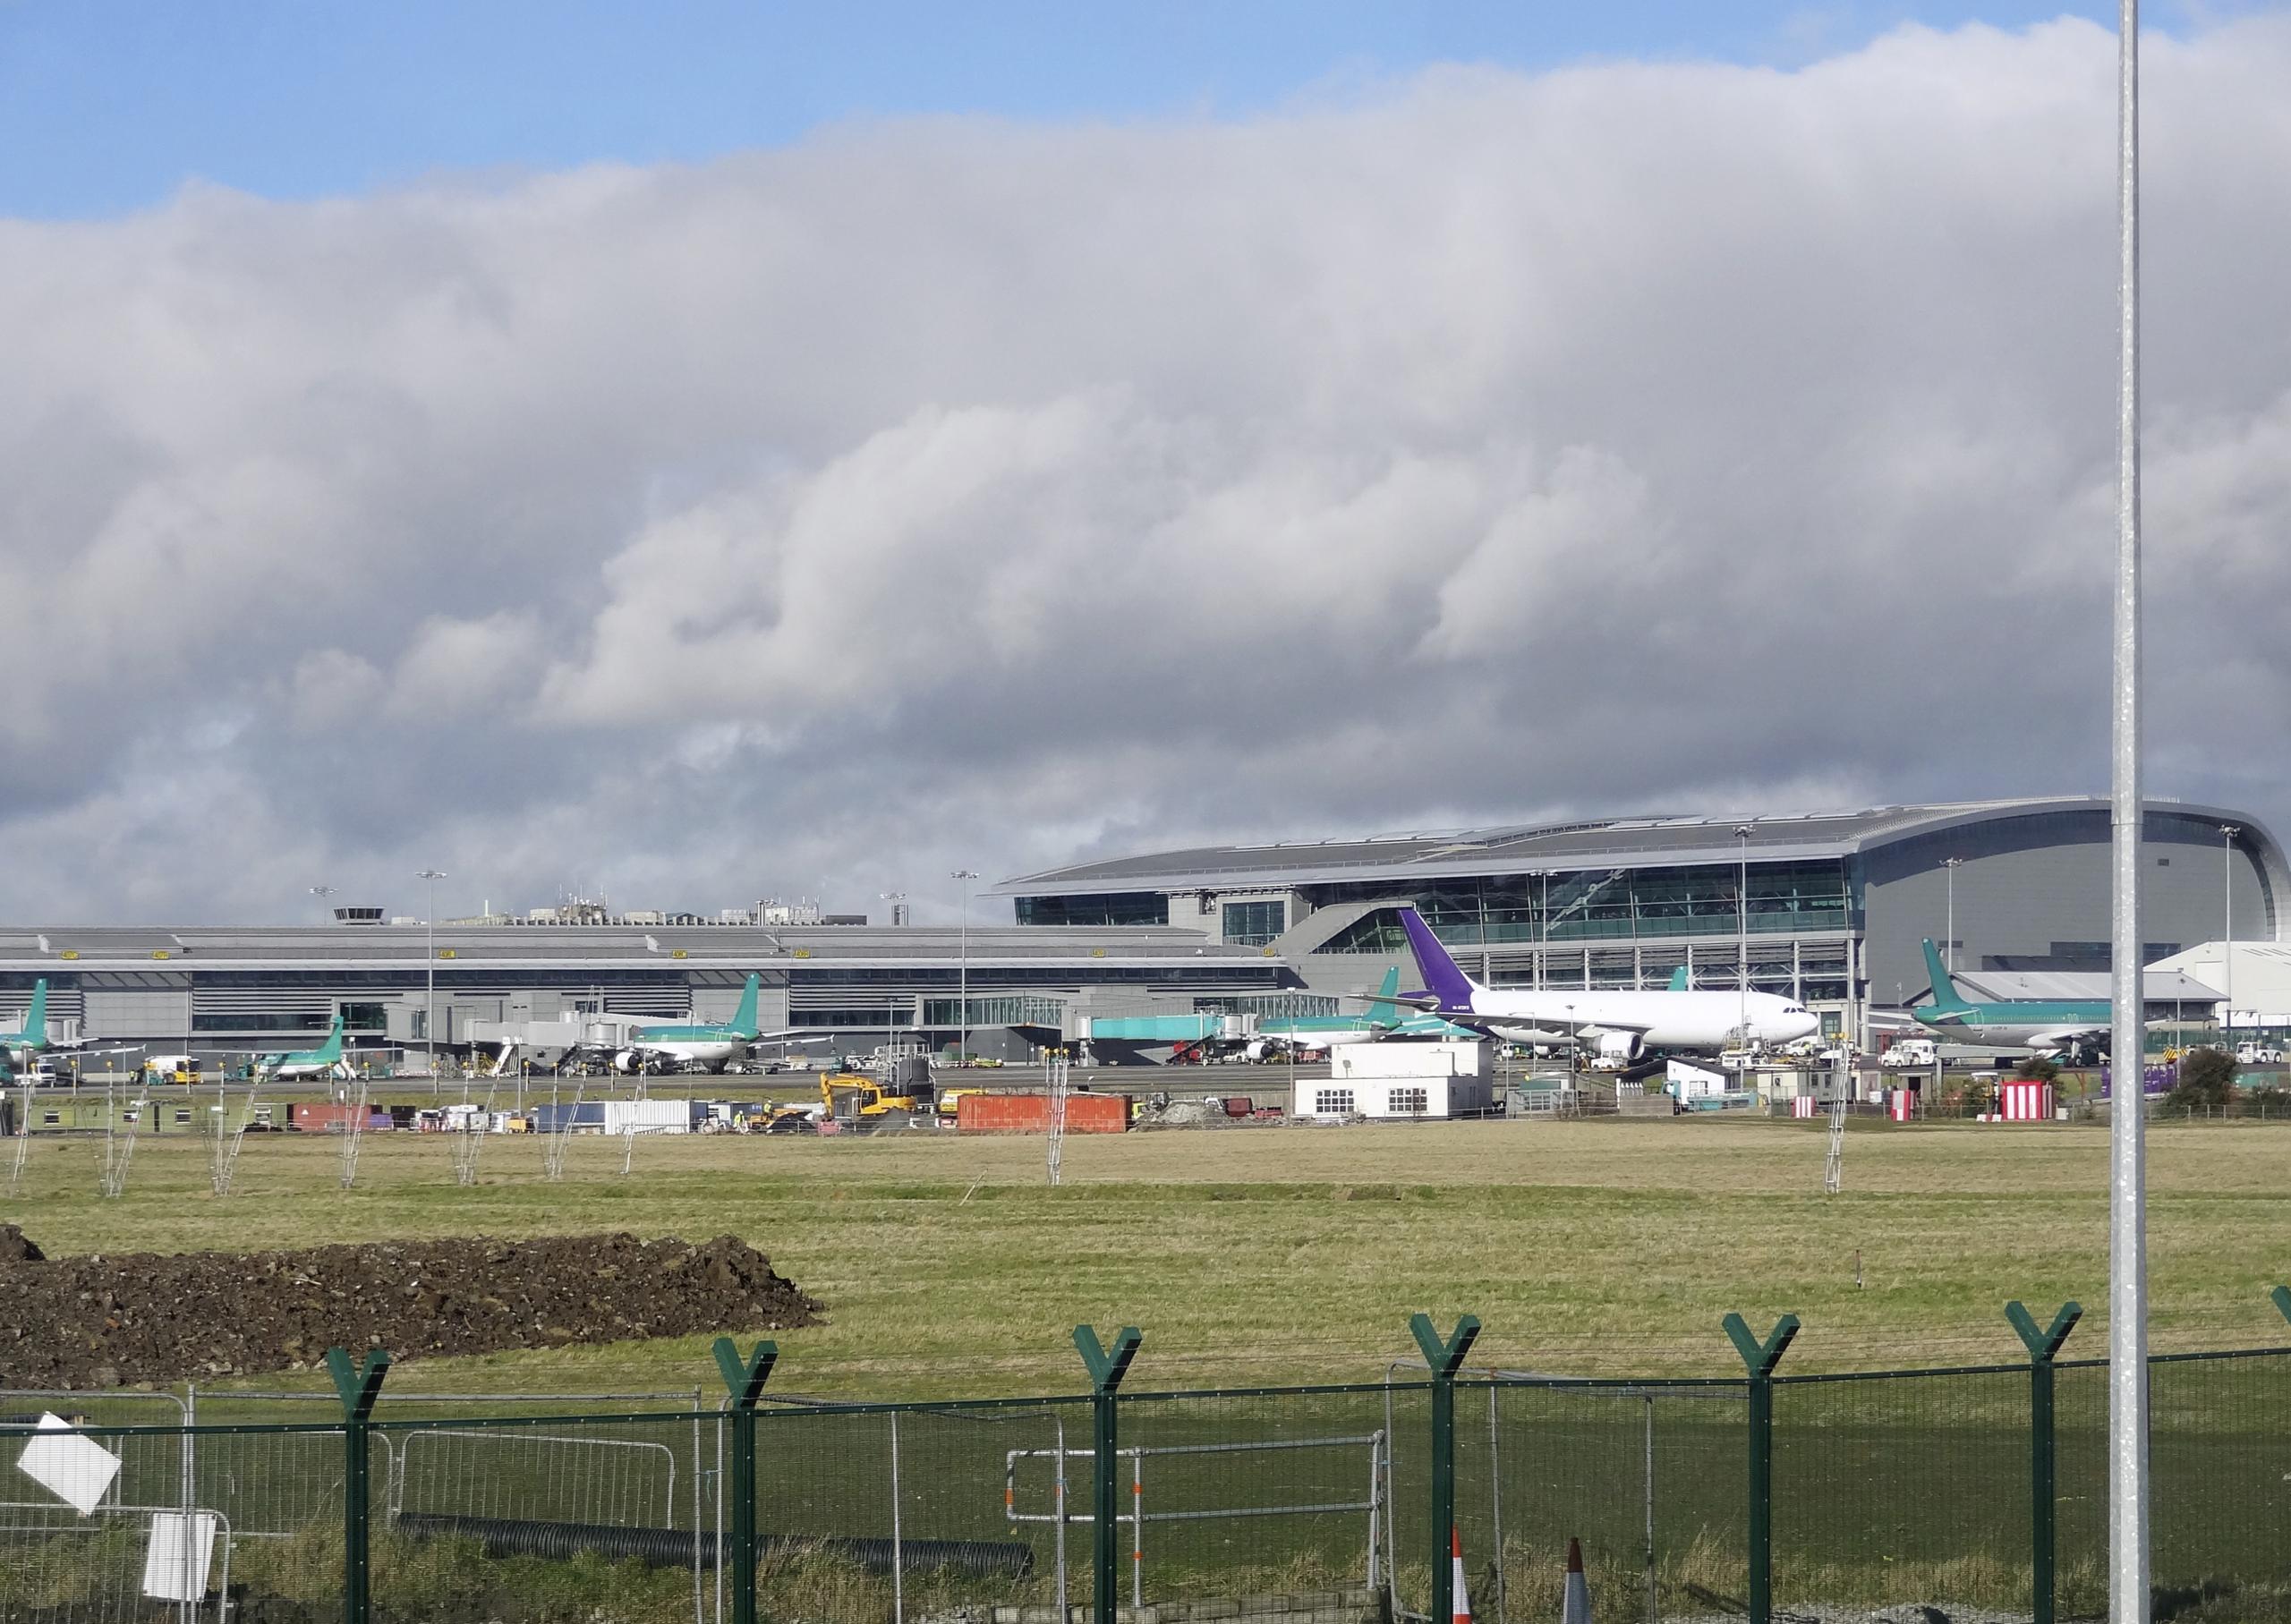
[1409, 1059]
[648, 1116]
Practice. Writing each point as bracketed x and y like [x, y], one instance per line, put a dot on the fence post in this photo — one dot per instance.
[1107, 1368]
[744, 1379]
[1443, 1355]
[358, 1387]
[2042, 1344]
[1759, 1358]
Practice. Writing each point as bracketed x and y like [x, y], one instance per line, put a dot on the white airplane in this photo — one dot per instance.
[710, 1044]
[1617, 1024]
[301, 1064]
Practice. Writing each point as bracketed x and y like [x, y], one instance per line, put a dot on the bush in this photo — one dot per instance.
[2207, 1080]
[2271, 1102]
[2037, 1068]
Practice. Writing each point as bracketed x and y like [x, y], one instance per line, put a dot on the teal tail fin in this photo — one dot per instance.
[1945, 990]
[330, 1050]
[35, 1034]
[743, 1017]
[1678, 980]
[1387, 990]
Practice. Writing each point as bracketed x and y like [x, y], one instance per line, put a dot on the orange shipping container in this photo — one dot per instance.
[1030, 1113]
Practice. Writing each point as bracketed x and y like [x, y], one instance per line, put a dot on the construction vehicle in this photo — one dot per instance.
[869, 1103]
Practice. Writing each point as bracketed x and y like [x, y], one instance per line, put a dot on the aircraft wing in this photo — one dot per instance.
[2060, 1037]
[1411, 1000]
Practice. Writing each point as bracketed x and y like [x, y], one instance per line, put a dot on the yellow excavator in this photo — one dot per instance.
[857, 1100]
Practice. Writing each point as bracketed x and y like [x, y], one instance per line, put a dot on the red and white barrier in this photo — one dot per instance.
[1901, 1104]
[1804, 1105]
[2025, 1099]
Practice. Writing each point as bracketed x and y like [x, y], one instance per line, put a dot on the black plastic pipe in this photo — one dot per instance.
[681, 1548]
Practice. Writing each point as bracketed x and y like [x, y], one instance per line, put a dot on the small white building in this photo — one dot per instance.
[1399, 1081]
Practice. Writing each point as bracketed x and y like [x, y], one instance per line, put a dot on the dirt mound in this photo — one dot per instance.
[100, 1321]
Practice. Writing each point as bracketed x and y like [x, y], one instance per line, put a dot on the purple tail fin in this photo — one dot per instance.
[1441, 979]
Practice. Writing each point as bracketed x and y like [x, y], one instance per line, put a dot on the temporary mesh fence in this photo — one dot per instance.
[1903, 1487]
[1279, 1493]
[1888, 1489]
[1646, 1477]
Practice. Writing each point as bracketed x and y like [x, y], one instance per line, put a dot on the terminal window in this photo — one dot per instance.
[1410, 1101]
[1332, 1102]
[1252, 925]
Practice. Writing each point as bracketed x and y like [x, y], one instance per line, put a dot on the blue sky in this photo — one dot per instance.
[105, 106]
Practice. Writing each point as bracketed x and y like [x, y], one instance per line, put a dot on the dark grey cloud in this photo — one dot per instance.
[951, 492]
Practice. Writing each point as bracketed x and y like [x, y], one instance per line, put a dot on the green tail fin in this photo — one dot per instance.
[1678, 980]
[1387, 990]
[1945, 990]
[330, 1050]
[35, 1034]
[743, 1017]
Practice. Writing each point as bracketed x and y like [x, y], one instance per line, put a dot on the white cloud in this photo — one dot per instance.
[950, 492]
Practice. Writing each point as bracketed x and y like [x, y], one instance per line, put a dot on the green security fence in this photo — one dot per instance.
[1764, 1495]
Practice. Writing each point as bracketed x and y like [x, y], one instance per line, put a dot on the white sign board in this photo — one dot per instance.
[174, 1562]
[76, 1470]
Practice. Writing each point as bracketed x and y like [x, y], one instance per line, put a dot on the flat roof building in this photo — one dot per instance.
[1833, 904]
[234, 989]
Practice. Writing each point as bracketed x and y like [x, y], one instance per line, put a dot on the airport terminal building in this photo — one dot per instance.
[219, 991]
[1827, 908]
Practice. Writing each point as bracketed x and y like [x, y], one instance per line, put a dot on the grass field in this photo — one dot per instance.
[948, 1269]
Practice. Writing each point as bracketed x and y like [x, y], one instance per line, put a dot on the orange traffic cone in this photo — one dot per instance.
[1460, 1605]
[1575, 1606]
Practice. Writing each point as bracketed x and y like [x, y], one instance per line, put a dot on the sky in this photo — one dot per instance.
[805, 451]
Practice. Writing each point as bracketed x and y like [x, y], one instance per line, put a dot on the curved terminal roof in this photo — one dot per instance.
[1583, 844]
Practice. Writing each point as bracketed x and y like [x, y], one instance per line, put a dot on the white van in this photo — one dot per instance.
[1906, 1052]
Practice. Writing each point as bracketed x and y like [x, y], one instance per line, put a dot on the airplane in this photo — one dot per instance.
[31, 1038]
[711, 1045]
[301, 1064]
[1305, 1034]
[2042, 1024]
[1621, 1023]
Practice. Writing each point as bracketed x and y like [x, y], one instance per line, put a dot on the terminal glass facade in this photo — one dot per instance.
[1701, 899]
[1252, 925]
[1118, 908]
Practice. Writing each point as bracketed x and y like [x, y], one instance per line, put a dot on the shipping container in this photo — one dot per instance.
[652, 1116]
[326, 1117]
[1030, 1113]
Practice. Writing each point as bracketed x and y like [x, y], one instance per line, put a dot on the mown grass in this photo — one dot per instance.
[949, 1268]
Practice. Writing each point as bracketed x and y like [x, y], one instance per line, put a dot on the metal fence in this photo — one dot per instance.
[1767, 1494]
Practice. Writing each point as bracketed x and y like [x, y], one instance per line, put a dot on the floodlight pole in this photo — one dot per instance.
[1743, 940]
[2228, 833]
[1949, 947]
[429, 977]
[2128, 1566]
[962, 996]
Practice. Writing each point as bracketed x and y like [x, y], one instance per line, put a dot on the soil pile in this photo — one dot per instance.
[103, 1320]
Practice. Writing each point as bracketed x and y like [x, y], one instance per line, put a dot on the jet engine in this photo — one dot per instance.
[1619, 1045]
